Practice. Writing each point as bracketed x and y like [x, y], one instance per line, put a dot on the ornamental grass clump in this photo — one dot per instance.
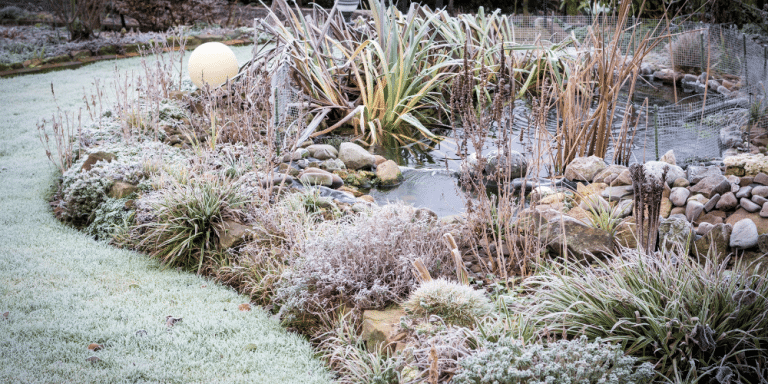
[566, 361]
[184, 219]
[453, 302]
[690, 320]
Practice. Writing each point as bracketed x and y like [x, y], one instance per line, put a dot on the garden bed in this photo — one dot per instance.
[265, 184]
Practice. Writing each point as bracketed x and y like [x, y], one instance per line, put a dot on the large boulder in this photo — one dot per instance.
[581, 240]
[584, 168]
[675, 231]
[656, 168]
[355, 157]
[389, 173]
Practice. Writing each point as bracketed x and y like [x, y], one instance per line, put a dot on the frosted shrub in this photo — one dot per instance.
[453, 302]
[364, 263]
[108, 218]
[576, 361]
[83, 191]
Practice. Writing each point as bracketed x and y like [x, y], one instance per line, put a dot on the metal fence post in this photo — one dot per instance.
[656, 128]
[746, 66]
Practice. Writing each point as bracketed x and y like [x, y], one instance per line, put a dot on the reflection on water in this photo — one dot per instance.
[430, 188]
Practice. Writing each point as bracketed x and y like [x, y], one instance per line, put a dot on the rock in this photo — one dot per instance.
[617, 193]
[679, 196]
[712, 203]
[95, 157]
[297, 155]
[331, 165]
[746, 164]
[624, 208]
[703, 228]
[610, 175]
[380, 327]
[744, 234]
[744, 192]
[762, 243]
[277, 179]
[626, 235]
[759, 200]
[693, 209]
[425, 214]
[666, 207]
[744, 180]
[232, 233]
[760, 190]
[582, 240]
[731, 137]
[389, 173]
[749, 205]
[761, 178]
[655, 169]
[669, 157]
[677, 211]
[121, 189]
[590, 189]
[584, 168]
[699, 197]
[518, 166]
[596, 203]
[714, 218]
[552, 198]
[580, 214]
[712, 185]
[317, 176]
[714, 245]
[764, 210]
[681, 182]
[624, 178]
[741, 213]
[675, 231]
[367, 198]
[355, 157]
[323, 151]
[695, 173]
[378, 159]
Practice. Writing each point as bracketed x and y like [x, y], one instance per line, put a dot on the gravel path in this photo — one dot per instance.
[62, 290]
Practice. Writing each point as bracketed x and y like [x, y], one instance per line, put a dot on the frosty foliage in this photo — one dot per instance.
[453, 302]
[108, 218]
[364, 263]
[566, 361]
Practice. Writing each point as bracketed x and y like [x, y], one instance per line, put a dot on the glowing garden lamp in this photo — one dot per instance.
[212, 64]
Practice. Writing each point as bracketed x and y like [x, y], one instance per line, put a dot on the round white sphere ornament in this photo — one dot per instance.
[212, 63]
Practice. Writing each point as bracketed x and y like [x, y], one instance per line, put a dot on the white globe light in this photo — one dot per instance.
[212, 63]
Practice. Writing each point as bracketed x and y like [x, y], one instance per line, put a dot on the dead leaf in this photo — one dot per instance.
[244, 307]
[94, 347]
[170, 321]
[6, 314]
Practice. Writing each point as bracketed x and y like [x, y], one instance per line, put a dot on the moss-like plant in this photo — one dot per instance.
[453, 302]
[577, 361]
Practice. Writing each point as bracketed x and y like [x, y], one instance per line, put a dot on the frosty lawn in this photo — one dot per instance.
[63, 291]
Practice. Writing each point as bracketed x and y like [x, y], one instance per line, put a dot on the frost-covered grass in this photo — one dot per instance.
[63, 290]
